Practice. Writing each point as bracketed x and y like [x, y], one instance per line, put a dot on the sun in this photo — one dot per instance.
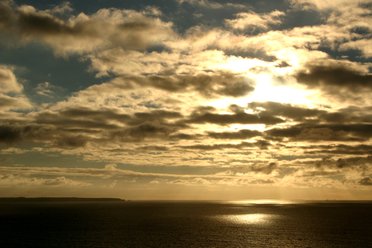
[266, 90]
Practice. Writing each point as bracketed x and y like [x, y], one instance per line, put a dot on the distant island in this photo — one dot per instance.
[57, 199]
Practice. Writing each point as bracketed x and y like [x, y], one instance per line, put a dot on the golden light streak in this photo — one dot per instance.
[249, 219]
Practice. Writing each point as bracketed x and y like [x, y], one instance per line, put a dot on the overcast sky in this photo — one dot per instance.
[186, 99]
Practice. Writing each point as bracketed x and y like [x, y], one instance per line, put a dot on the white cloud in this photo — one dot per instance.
[11, 91]
[251, 20]
[8, 81]
[45, 89]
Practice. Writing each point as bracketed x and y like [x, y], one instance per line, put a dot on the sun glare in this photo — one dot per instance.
[240, 65]
[266, 90]
[249, 219]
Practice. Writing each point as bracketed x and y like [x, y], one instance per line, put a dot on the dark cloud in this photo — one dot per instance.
[153, 148]
[242, 118]
[127, 29]
[324, 132]
[142, 131]
[185, 136]
[103, 119]
[339, 149]
[34, 23]
[75, 127]
[354, 162]
[10, 134]
[72, 141]
[27, 21]
[351, 114]
[153, 116]
[65, 122]
[266, 169]
[218, 83]
[13, 132]
[157, 124]
[6, 13]
[360, 163]
[334, 75]
[248, 166]
[241, 134]
[262, 144]
[285, 110]
[366, 181]
[93, 113]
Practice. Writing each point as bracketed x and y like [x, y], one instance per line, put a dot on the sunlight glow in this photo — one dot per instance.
[256, 127]
[249, 219]
[266, 90]
[241, 65]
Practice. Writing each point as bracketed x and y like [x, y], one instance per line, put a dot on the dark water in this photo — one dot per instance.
[183, 224]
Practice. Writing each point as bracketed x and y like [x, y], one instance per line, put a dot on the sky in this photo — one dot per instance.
[186, 99]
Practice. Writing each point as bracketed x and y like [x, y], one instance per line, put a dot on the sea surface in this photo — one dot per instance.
[109, 224]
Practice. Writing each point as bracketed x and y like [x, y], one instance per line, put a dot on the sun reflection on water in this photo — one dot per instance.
[251, 219]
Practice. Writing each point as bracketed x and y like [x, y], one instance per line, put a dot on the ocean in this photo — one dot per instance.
[116, 224]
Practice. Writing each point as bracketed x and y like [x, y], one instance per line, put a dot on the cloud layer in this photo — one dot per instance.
[238, 94]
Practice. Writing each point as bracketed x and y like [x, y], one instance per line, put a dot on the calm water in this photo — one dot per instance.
[183, 224]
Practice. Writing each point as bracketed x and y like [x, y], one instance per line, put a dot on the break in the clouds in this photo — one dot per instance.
[133, 99]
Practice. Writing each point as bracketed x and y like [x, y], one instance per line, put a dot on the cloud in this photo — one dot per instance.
[351, 114]
[267, 169]
[143, 131]
[366, 181]
[128, 29]
[16, 132]
[340, 149]
[110, 171]
[76, 127]
[63, 8]
[324, 5]
[241, 118]
[252, 20]
[347, 23]
[169, 101]
[241, 134]
[9, 134]
[71, 141]
[205, 72]
[285, 110]
[46, 89]
[212, 84]
[11, 91]
[212, 4]
[364, 45]
[262, 144]
[83, 122]
[19, 180]
[18, 102]
[8, 81]
[335, 74]
[360, 164]
[324, 132]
